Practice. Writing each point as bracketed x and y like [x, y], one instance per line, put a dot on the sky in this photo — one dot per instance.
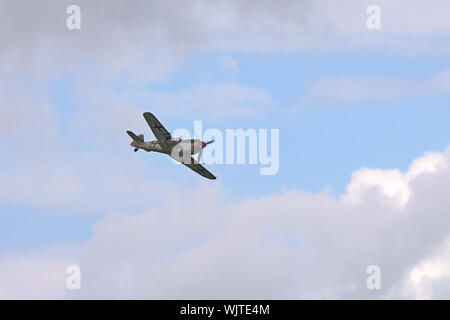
[364, 150]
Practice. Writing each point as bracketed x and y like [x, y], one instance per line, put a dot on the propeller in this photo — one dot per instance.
[136, 149]
[204, 144]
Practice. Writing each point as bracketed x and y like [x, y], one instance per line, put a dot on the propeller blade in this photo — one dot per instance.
[210, 142]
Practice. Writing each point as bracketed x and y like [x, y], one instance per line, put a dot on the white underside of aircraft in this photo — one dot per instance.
[177, 148]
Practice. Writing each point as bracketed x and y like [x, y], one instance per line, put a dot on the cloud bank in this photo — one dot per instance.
[290, 245]
[147, 40]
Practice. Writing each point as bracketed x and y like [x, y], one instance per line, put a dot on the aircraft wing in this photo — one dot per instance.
[162, 135]
[197, 167]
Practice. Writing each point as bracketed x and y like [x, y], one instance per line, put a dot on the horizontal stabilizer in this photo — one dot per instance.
[139, 138]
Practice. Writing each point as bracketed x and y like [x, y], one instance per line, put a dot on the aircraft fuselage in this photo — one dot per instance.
[177, 147]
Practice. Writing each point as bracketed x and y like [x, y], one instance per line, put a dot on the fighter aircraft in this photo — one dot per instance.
[177, 148]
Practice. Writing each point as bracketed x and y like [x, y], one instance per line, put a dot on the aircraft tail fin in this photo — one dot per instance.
[139, 138]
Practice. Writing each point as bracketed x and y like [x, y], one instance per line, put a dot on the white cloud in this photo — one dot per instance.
[392, 184]
[357, 89]
[429, 279]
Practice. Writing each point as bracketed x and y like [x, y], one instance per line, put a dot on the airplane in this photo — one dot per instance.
[177, 148]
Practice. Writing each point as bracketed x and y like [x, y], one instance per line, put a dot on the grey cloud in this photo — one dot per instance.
[148, 39]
